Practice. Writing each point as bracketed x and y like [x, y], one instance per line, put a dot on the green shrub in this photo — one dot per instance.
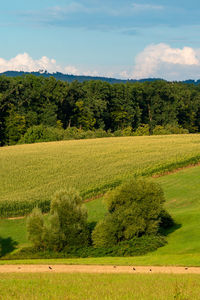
[135, 247]
[143, 129]
[160, 130]
[41, 133]
[118, 132]
[176, 129]
[128, 131]
[169, 129]
[73, 133]
[133, 210]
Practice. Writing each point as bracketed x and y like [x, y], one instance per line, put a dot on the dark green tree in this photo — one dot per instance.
[134, 210]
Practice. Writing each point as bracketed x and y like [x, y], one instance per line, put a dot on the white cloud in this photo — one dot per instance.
[24, 62]
[170, 63]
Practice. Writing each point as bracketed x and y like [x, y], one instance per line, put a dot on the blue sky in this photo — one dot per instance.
[124, 39]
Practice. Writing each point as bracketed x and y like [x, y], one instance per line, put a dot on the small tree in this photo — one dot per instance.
[35, 228]
[69, 218]
[134, 209]
[67, 224]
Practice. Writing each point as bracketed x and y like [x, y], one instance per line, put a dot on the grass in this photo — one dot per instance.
[99, 286]
[125, 155]
[182, 191]
[34, 172]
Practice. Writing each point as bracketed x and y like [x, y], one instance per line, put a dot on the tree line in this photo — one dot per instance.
[29, 101]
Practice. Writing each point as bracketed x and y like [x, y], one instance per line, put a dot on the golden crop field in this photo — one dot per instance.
[34, 172]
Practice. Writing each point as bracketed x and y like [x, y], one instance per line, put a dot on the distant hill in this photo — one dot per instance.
[81, 78]
[70, 78]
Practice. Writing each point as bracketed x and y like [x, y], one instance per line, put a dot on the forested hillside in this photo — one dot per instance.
[29, 100]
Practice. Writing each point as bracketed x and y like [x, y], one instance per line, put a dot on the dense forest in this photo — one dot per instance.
[29, 101]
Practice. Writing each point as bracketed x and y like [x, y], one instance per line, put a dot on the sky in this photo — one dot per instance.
[112, 38]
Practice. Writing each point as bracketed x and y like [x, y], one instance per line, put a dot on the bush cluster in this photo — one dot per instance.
[134, 210]
[66, 226]
[131, 226]
[135, 247]
[42, 133]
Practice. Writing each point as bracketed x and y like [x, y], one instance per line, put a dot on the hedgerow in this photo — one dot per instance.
[134, 247]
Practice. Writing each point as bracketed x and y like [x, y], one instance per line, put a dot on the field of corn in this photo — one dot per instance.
[30, 174]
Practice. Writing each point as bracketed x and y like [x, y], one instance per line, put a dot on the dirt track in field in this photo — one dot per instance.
[97, 269]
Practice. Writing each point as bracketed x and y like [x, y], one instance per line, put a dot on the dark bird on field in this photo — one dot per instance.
[134, 269]
[50, 268]
[150, 270]
[186, 268]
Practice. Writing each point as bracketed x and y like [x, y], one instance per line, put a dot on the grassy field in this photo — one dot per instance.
[96, 286]
[34, 172]
[182, 191]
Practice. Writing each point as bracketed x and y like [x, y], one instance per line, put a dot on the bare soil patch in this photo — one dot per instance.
[97, 269]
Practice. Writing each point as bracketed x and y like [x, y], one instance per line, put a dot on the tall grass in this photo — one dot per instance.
[30, 174]
[99, 286]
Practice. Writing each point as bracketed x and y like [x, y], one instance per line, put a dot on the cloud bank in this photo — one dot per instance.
[24, 62]
[155, 61]
[162, 61]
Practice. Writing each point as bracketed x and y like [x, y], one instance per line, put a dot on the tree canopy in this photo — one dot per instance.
[31, 101]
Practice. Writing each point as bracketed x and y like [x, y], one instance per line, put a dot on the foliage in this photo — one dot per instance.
[134, 209]
[160, 130]
[121, 108]
[35, 228]
[15, 127]
[135, 247]
[169, 129]
[69, 218]
[143, 130]
[67, 224]
[41, 133]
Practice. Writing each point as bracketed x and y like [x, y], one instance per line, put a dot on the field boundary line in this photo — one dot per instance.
[175, 170]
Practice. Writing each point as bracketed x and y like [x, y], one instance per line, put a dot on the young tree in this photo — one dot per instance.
[134, 209]
[67, 224]
[70, 218]
[35, 228]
